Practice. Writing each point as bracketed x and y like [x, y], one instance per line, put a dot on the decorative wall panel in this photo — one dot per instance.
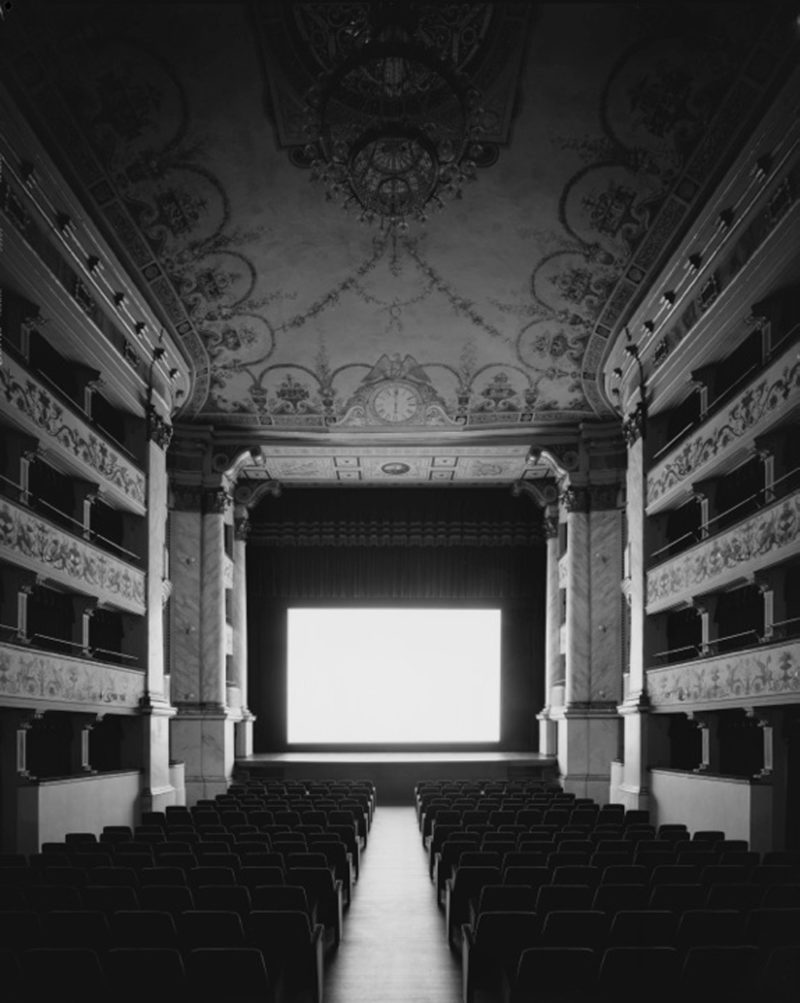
[27, 539]
[766, 675]
[30, 404]
[769, 536]
[773, 394]
[36, 676]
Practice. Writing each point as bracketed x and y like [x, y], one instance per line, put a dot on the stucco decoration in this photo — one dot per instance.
[506, 300]
[400, 465]
[771, 535]
[37, 676]
[765, 675]
[776, 392]
[26, 538]
[62, 430]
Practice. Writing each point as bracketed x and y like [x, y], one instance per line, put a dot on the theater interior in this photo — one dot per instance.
[399, 460]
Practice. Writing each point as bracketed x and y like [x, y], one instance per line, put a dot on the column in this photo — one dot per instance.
[155, 710]
[82, 725]
[243, 731]
[14, 726]
[548, 735]
[202, 735]
[708, 724]
[633, 790]
[589, 731]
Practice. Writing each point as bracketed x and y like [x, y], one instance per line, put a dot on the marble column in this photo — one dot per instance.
[202, 732]
[155, 709]
[243, 732]
[548, 730]
[589, 726]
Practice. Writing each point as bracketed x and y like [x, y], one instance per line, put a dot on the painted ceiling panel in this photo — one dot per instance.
[181, 120]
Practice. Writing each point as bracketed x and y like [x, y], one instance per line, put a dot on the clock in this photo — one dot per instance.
[395, 402]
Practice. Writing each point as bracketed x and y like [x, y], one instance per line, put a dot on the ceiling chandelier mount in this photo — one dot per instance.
[394, 129]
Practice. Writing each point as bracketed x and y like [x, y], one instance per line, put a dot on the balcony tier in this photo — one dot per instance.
[33, 678]
[770, 398]
[35, 543]
[31, 405]
[769, 674]
[766, 538]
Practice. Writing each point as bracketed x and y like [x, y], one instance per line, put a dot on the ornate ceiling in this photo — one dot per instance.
[182, 124]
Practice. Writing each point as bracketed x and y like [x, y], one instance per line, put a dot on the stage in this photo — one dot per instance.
[395, 773]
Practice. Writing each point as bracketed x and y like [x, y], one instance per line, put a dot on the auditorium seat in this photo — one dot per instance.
[555, 897]
[292, 948]
[44, 898]
[20, 929]
[555, 975]
[773, 927]
[174, 899]
[209, 928]
[780, 975]
[465, 885]
[743, 897]
[226, 898]
[625, 874]
[325, 897]
[626, 971]
[143, 928]
[491, 949]
[75, 971]
[253, 876]
[611, 898]
[210, 875]
[233, 974]
[575, 928]
[721, 972]
[285, 898]
[76, 928]
[709, 928]
[642, 928]
[576, 874]
[677, 897]
[155, 974]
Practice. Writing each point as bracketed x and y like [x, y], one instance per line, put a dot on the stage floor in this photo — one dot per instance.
[395, 773]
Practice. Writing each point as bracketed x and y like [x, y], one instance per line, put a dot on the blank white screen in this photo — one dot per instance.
[393, 675]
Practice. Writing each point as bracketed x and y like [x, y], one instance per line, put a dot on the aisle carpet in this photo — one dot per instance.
[394, 948]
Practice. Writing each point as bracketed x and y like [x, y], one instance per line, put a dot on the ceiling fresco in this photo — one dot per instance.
[180, 119]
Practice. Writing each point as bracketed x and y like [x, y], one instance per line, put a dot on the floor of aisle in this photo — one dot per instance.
[394, 948]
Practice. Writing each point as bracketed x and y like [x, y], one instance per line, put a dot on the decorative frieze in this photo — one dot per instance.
[63, 431]
[767, 537]
[575, 499]
[776, 391]
[27, 539]
[186, 498]
[763, 675]
[37, 676]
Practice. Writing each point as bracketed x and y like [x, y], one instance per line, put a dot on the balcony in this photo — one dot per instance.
[30, 677]
[768, 399]
[767, 674]
[36, 407]
[766, 538]
[30, 540]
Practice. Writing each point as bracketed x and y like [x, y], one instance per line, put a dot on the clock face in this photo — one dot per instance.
[395, 402]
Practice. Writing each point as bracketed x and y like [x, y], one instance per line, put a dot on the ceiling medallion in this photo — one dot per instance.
[394, 126]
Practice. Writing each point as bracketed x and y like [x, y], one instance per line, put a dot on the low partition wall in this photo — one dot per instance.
[739, 807]
[49, 809]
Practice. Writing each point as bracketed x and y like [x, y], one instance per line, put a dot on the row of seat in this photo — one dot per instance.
[658, 974]
[158, 974]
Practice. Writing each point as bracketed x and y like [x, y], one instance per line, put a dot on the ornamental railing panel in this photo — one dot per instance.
[769, 536]
[31, 405]
[768, 674]
[33, 678]
[29, 540]
[770, 396]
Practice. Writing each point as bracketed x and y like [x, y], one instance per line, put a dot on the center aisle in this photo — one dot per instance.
[394, 948]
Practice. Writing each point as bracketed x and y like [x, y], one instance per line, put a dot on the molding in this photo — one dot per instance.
[766, 538]
[186, 498]
[319, 533]
[28, 539]
[575, 499]
[765, 675]
[39, 677]
[28, 403]
[770, 397]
